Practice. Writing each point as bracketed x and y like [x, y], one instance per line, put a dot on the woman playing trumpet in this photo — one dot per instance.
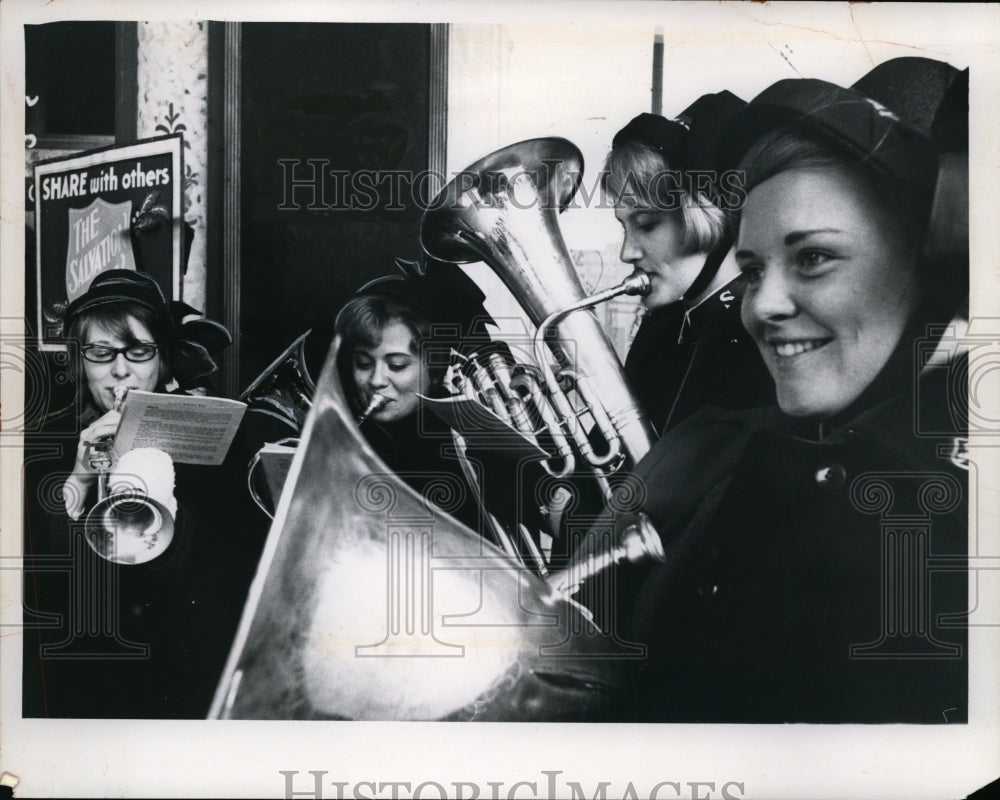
[140, 637]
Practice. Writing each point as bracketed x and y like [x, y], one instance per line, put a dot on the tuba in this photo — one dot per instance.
[284, 390]
[503, 210]
[371, 604]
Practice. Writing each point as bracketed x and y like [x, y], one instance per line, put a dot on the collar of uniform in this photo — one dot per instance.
[726, 274]
[728, 271]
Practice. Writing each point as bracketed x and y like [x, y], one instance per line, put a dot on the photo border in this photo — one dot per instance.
[232, 758]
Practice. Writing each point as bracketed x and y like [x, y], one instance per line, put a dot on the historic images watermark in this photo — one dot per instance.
[312, 185]
[549, 784]
[413, 613]
[962, 360]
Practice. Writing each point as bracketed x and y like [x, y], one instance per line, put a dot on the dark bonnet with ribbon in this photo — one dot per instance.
[688, 145]
[442, 293]
[887, 119]
[193, 344]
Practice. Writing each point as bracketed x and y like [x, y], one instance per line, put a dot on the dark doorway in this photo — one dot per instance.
[333, 118]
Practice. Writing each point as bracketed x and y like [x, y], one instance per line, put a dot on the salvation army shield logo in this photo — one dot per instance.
[99, 240]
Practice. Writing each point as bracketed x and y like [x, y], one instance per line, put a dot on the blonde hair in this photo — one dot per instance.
[637, 173]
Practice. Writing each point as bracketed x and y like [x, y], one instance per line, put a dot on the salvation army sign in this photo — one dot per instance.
[86, 209]
[99, 239]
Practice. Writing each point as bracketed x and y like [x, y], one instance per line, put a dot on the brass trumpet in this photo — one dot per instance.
[133, 520]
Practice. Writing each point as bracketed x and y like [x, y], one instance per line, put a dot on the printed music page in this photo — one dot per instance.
[190, 429]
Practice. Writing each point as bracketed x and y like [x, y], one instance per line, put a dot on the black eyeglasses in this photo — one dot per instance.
[102, 354]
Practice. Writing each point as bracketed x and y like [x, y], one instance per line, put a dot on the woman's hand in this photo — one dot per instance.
[83, 476]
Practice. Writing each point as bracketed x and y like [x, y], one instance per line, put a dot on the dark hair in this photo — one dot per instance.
[114, 318]
[363, 319]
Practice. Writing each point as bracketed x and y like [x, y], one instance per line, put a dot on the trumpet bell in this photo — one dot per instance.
[129, 528]
[373, 603]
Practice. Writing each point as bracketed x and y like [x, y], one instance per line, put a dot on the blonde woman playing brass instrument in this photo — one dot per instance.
[816, 551]
[672, 202]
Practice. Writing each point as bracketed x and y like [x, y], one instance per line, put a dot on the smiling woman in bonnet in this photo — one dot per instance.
[777, 601]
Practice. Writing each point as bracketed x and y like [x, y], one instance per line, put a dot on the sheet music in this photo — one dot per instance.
[190, 429]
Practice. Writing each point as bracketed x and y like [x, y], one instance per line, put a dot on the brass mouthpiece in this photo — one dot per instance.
[375, 404]
[120, 392]
[636, 284]
[637, 544]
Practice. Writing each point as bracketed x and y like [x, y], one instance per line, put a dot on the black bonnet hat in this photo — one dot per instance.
[907, 119]
[193, 344]
[688, 142]
[933, 98]
[442, 292]
[921, 91]
[849, 119]
[117, 286]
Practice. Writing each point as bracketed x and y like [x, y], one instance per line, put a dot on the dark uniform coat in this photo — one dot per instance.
[106, 640]
[811, 575]
[683, 359]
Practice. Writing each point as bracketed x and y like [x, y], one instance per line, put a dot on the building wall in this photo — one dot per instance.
[173, 97]
[507, 83]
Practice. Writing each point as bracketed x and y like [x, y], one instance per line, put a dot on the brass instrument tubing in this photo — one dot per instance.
[513, 403]
[635, 284]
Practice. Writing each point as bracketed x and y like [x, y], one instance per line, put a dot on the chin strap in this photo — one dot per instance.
[708, 272]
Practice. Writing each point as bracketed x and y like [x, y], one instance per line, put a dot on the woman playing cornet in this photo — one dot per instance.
[144, 632]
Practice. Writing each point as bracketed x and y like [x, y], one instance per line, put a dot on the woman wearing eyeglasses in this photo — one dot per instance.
[120, 347]
[137, 640]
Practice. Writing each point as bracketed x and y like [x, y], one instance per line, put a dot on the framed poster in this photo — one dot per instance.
[112, 208]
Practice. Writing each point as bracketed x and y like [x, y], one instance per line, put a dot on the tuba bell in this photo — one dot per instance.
[503, 210]
[284, 390]
[371, 604]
